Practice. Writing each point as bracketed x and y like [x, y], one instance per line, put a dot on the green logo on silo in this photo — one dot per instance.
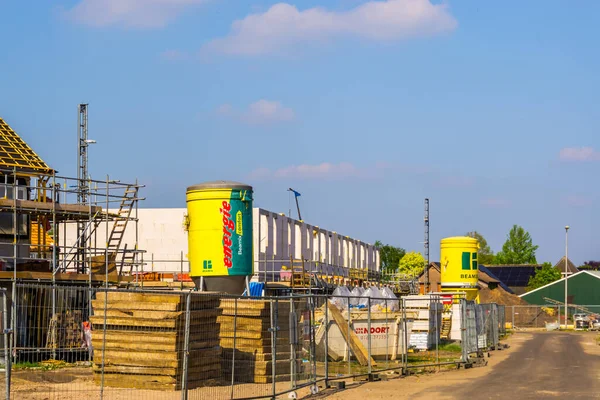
[469, 260]
[207, 264]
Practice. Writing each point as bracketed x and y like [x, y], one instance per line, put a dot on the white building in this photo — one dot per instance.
[277, 241]
[281, 241]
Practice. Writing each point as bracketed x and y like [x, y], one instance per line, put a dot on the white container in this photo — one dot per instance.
[386, 335]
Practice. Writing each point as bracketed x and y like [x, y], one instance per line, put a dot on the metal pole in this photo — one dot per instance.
[566, 273]
[404, 338]
[186, 352]
[313, 344]
[437, 331]
[369, 333]
[326, 342]
[54, 258]
[14, 294]
[181, 271]
[274, 344]
[107, 237]
[513, 317]
[7, 361]
[293, 339]
[348, 343]
[235, 309]
[427, 283]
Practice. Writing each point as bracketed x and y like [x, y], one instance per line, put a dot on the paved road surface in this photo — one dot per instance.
[548, 365]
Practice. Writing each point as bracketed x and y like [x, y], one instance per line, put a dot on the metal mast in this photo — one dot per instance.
[426, 243]
[82, 159]
[83, 188]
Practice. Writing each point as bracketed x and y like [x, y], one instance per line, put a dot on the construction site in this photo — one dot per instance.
[229, 301]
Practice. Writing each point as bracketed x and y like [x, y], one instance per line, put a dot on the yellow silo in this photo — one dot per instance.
[459, 268]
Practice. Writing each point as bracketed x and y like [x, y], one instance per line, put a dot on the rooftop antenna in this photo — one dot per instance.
[296, 195]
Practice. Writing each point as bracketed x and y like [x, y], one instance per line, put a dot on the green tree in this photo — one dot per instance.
[412, 264]
[547, 274]
[485, 255]
[518, 248]
[389, 256]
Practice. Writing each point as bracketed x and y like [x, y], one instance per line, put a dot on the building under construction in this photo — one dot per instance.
[39, 212]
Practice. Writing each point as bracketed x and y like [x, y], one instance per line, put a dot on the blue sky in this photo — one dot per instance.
[490, 109]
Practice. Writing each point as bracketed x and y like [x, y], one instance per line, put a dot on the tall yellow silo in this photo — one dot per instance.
[459, 268]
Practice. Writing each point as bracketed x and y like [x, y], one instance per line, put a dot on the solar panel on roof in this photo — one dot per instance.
[513, 275]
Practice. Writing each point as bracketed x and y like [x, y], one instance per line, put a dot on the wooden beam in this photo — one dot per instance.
[350, 337]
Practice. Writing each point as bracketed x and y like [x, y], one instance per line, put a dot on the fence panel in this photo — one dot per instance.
[470, 337]
[51, 340]
[501, 320]
[5, 359]
[524, 317]
[76, 341]
[489, 314]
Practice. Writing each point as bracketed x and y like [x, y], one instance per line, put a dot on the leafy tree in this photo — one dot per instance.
[389, 256]
[518, 248]
[591, 266]
[412, 264]
[547, 274]
[485, 255]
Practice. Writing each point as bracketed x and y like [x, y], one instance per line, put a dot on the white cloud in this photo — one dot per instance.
[495, 202]
[579, 154]
[129, 13]
[259, 113]
[325, 171]
[306, 171]
[283, 26]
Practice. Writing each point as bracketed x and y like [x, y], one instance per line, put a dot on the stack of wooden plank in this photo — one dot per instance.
[245, 337]
[144, 341]
[65, 331]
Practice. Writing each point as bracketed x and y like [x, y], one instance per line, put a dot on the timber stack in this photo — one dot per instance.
[144, 342]
[246, 339]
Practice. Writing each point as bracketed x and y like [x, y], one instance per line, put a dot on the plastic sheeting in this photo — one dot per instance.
[356, 293]
[339, 298]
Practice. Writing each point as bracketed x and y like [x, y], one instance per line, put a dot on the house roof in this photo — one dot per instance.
[486, 271]
[433, 265]
[595, 274]
[15, 153]
[571, 268]
[514, 275]
[485, 275]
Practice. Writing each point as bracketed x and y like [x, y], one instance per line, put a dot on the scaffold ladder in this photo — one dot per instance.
[122, 217]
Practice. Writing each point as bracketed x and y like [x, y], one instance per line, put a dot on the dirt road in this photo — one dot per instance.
[552, 365]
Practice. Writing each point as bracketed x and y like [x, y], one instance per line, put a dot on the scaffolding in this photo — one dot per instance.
[48, 240]
[57, 231]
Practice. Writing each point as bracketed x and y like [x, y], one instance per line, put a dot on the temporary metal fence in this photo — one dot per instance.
[489, 313]
[544, 316]
[501, 320]
[531, 316]
[99, 343]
